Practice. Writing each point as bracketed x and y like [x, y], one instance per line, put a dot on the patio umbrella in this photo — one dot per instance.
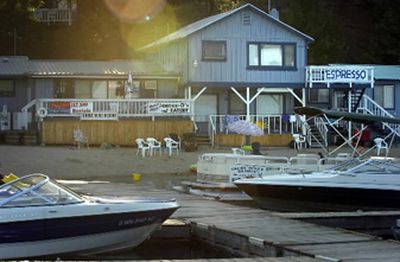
[245, 128]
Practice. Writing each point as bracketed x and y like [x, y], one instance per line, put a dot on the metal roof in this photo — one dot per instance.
[199, 25]
[386, 72]
[23, 66]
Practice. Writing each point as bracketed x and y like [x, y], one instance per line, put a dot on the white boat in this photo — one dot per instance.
[217, 167]
[39, 217]
[372, 184]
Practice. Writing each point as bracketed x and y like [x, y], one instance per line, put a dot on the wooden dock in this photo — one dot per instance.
[259, 232]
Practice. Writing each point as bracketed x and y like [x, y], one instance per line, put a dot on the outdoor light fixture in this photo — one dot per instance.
[195, 63]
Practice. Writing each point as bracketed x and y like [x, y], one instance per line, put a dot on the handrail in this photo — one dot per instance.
[373, 108]
[29, 105]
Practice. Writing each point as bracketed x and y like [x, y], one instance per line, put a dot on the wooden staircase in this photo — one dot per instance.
[203, 140]
[316, 138]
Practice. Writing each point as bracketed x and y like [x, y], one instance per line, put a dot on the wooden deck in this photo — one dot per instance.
[260, 231]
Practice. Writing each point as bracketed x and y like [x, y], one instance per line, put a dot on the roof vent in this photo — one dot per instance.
[274, 13]
[5, 59]
[246, 18]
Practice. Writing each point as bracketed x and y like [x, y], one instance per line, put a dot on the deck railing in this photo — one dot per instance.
[121, 107]
[54, 15]
[270, 124]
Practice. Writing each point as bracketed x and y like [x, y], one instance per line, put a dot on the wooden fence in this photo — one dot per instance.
[123, 132]
[266, 140]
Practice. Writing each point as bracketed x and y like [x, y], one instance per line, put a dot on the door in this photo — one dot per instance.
[269, 104]
[204, 106]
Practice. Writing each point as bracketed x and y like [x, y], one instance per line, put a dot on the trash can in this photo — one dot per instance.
[189, 143]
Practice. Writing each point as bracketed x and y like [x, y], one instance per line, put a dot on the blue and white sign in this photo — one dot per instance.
[346, 75]
[343, 74]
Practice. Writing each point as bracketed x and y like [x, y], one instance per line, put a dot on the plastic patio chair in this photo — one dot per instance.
[177, 139]
[154, 144]
[170, 145]
[299, 140]
[142, 146]
[380, 144]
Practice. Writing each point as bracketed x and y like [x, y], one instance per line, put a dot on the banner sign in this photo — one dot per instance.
[239, 171]
[81, 107]
[168, 107]
[59, 108]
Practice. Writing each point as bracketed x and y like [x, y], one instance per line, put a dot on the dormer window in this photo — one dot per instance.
[214, 51]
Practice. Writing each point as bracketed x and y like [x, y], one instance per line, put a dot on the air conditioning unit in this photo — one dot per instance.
[20, 121]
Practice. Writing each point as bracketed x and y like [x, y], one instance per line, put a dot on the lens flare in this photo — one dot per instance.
[135, 11]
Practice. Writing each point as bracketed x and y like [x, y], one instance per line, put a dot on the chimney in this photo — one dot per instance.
[274, 13]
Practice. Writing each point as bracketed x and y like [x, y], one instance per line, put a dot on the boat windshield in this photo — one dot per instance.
[36, 189]
[370, 166]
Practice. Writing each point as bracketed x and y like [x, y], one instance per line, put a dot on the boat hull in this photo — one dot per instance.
[82, 234]
[318, 198]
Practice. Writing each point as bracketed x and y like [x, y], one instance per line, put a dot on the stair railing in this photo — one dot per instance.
[371, 107]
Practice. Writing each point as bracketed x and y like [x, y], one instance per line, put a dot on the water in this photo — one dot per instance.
[162, 249]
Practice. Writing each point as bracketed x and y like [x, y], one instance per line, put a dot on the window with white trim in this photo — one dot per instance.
[271, 55]
[384, 95]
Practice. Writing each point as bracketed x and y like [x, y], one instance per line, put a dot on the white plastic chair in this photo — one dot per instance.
[380, 144]
[170, 145]
[299, 140]
[154, 144]
[177, 139]
[79, 138]
[142, 146]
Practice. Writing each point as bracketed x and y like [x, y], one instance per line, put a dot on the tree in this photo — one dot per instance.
[16, 21]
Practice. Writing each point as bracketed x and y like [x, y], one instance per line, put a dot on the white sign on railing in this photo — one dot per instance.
[81, 107]
[168, 107]
[240, 171]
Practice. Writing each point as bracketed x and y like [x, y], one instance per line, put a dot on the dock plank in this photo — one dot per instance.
[306, 238]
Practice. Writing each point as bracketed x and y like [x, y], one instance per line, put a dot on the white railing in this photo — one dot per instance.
[369, 106]
[122, 107]
[270, 124]
[54, 15]
[343, 74]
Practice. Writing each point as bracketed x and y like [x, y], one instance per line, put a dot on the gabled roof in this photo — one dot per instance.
[23, 66]
[203, 23]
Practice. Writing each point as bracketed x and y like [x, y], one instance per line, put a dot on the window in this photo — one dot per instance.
[270, 55]
[318, 95]
[82, 89]
[7, 88]
[63, 88]
[116, 89]
[384, 96]
[99, 89]
[214, 51]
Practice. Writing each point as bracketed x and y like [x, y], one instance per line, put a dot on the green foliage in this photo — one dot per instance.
[345, 31]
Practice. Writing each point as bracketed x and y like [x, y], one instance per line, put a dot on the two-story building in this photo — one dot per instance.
[243, 62]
